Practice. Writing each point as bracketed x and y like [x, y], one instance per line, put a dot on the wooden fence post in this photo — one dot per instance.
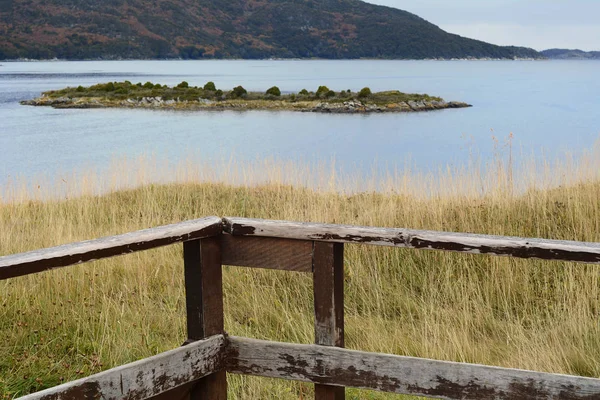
[328, 283]
[204, 304]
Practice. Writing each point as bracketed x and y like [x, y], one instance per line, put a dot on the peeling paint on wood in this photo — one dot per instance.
[403, 375]
[328, 282]
[145, 378]
[75, 253]
[204, 306]
[197, 370]
[324, 366]
[419, 239]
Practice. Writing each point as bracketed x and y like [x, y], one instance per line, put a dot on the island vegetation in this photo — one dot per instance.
[209, 97]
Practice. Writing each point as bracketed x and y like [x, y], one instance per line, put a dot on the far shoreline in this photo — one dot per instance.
[28, 60]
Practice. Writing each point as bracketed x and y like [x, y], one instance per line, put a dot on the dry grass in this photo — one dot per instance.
[64, 324]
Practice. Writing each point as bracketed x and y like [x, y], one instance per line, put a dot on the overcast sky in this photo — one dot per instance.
[541, 24]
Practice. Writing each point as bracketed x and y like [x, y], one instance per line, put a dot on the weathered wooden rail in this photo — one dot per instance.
[198, 369]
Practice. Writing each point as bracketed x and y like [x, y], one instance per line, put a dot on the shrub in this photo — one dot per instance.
[303, 92]
[364, 92]
[330, 93]
[322, 90]
[109, 87]
[148, 85]
[239, 91]
[183, 85]
[219, 93]
[210, 86]
[157, 86]
[80, 89]
[274, 91]
[189, 97]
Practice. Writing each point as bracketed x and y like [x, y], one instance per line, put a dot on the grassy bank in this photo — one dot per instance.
[61, 325]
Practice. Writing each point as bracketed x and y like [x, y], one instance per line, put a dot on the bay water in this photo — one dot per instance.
[548, 108]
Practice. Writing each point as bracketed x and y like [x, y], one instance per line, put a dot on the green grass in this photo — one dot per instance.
[64, 324]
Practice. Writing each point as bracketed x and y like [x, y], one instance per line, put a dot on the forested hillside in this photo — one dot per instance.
[119, 29]
[565, 54]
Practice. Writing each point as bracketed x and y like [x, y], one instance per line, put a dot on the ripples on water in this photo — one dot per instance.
[550, 107]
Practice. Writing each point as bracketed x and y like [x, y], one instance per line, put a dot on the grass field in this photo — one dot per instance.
[65, 324]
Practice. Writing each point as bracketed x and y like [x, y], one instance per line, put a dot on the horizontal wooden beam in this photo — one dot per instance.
[418, 239]
[75, 253]
[291, 239]
[269, 253]
[403, 375]
[321, 365]
[145, 378]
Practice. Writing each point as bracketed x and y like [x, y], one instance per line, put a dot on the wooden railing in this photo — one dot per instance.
[198, 369]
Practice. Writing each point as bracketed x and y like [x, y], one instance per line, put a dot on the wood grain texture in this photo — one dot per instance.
[403, 375]
[204, 306]
[418, 239]
[269, 253]
[145, 378]
[75, 253]
[203, 288]
[328, 287]
[179, 393]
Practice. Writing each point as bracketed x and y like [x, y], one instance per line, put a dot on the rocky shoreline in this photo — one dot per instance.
[345, 107]
[409, 106]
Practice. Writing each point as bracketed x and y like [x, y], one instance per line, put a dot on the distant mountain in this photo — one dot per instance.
[120, 29]
[565, 54]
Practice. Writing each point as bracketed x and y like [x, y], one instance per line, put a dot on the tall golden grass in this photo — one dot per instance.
[61, 325]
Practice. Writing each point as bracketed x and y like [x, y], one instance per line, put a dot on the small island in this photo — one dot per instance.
[186, 97]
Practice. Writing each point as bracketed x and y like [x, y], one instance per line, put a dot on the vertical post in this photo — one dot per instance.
[204, 305]
[328, 283]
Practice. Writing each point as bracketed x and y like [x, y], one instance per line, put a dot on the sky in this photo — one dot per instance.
[540, 24]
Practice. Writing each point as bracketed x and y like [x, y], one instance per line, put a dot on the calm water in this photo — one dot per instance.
[550, 106]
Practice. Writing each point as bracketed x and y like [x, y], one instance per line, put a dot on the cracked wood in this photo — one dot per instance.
[145, 378]
[328, 287]
[403, 375]
[75, 253]
[419, 239]
[204, 306]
